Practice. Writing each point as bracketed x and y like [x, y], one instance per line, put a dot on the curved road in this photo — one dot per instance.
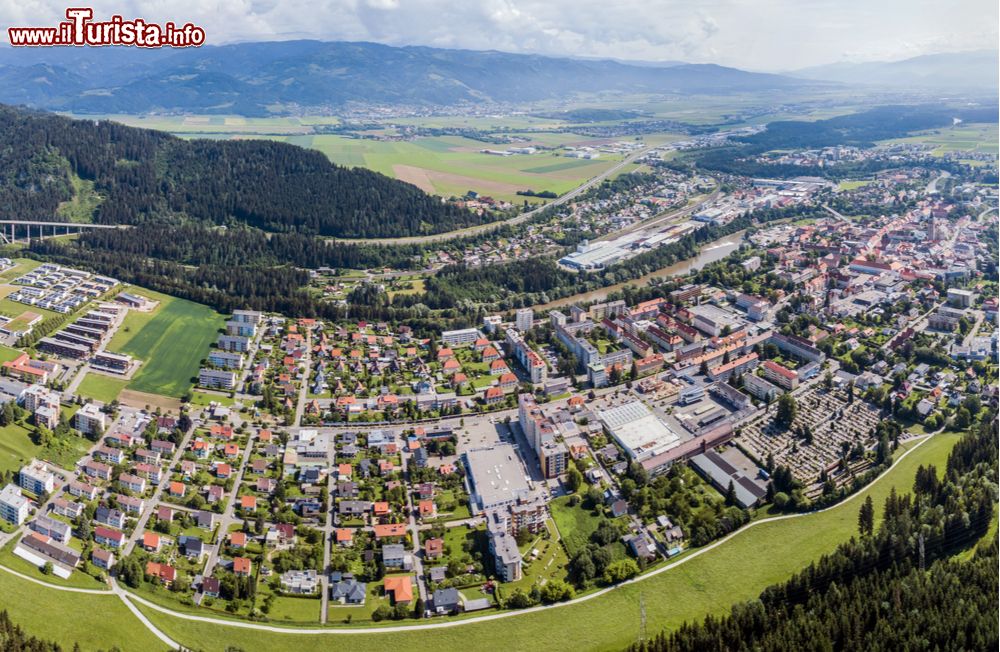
[523, 217]
[128, 597]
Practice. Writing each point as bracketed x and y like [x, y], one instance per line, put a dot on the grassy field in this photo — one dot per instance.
[171, 341]
[204, 398]
[451, 165]
[737, 570]
[93, 621]
[853, 185]
[16, 447]
[8, 353]
[102, 388]
[972, 137]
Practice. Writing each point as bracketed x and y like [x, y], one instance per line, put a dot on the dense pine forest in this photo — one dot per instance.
[148, 176]
[894, 588]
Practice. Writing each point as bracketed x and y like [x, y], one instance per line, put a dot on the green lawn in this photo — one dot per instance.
[7, 353]
[101, 388]
[737, 570]
[298, 610]
[171, 341]
[204, 398]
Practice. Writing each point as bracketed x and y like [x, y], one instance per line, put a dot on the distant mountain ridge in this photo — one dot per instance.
[251, 78]
[977, 70]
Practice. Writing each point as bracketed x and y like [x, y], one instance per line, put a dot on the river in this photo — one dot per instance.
[709, 253]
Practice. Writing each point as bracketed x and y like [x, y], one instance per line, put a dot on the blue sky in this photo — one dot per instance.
[759, 34]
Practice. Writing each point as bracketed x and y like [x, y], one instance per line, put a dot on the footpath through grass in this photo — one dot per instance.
[737, 570]
[171, 341]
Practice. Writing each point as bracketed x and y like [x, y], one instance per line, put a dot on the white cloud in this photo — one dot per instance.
[755, 34]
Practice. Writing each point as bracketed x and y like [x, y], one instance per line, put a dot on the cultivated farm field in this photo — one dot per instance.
[171, 341]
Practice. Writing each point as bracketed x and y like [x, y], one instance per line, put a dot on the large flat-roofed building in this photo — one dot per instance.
[961, 298]
[225, 359]
[62, 349]
[460, 337]
[507, 560]
[236, 343]
[36, 478]
[247, 316]
[638, 430]
[524, 319]
[13, 506]
[497, 477]
[90, 419]
[711, 320]
[217, 379]
[780, 375]
[113, 362]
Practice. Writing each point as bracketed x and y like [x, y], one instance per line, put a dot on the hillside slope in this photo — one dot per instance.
[150, 176]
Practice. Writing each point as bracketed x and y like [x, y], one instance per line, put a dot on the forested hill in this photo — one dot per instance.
[145, 176]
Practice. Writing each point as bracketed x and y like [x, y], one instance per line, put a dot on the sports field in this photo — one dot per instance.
[100, 387]
[171, 341]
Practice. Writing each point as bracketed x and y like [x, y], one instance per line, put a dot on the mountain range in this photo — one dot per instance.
[256, 78]
[976, 70]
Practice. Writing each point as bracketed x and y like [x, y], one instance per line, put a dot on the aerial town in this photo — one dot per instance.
[439, 326]
[361, 471]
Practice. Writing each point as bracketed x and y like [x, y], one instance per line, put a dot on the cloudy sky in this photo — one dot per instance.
[753, 34]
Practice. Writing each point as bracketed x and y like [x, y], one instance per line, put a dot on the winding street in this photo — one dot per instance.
[128, 597]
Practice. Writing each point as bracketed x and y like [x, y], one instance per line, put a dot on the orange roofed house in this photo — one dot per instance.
[399, 588]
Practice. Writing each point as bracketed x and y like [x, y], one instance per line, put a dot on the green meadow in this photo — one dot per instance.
[172, 340]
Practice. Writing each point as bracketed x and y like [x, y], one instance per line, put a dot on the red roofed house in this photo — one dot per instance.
[433, 548]
[493, 395]
[151, 542]
[164, 572]
[399, 588]
[498, 368]
[241, 566]
[390, 530]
